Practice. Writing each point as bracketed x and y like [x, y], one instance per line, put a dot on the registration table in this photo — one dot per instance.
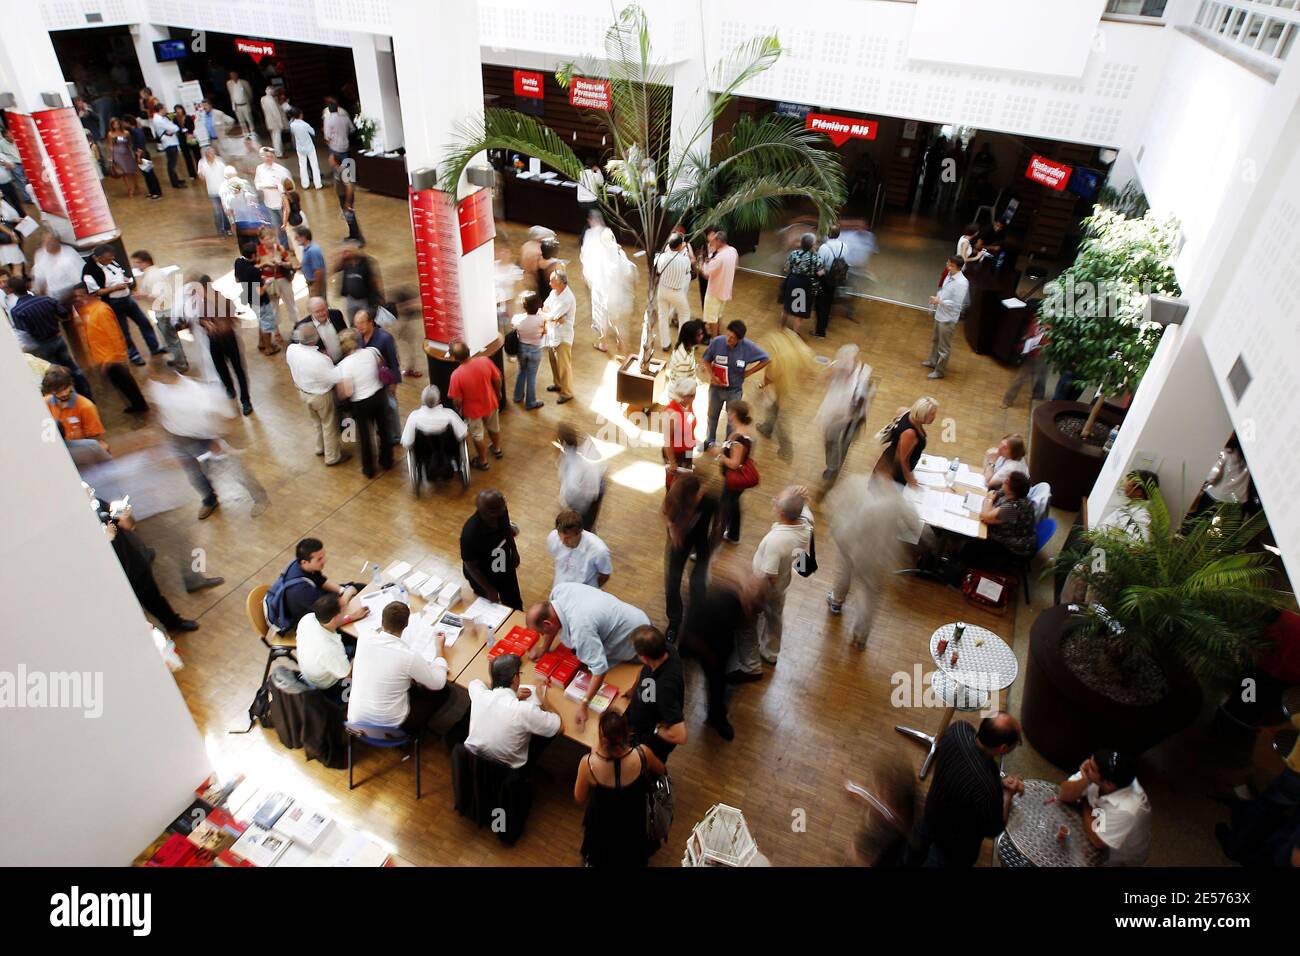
[467, 660]
[985, 665]
[1033, 836]
[948, 506]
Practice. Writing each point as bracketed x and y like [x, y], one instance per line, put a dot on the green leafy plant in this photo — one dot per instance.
[739, 178]
[1131, 200]
[1095, 310]
[1189, 596]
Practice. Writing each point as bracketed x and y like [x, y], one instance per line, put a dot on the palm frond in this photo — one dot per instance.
[506, 129]
[750, 204]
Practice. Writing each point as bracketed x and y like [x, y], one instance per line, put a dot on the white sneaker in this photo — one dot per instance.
[836, 607]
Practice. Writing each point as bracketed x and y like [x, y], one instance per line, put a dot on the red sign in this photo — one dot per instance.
[39, 174]
[255, 48]
[589, 94]
[1051, 174]
[64, 139]
[433, 221]
[476, 223]
[529, 84]
[841, 129]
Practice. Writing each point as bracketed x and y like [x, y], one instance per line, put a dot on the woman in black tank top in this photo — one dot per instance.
[905, 440]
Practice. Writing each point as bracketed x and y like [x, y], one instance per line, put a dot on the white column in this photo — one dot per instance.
[29, 67]
[692, 99]
[377, 86]
[441, 75]
[91, 782]
[163, 78]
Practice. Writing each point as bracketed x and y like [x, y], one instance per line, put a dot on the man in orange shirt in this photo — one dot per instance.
[107, 347]
[76, 415]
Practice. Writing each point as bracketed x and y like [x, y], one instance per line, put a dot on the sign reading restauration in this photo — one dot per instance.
[841, 129]
[1049, 173]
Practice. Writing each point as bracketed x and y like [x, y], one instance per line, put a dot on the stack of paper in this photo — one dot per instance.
[931, 479]
[303, 825]
[419, 632]
[487, 613]
[415, 580]
[396, 570]
[975, 503]
[449, 595]
[932, 463]
[971, 479]
[431, 586]
[954, 504]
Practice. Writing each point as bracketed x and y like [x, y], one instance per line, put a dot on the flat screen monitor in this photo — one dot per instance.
[1084, 182]
[165, 51]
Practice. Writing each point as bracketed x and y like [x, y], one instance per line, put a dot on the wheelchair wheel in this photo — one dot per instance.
[413, 472]
[464, 462]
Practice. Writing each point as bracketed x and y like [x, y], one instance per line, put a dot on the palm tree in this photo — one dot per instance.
[760, 164]
[1189, 595]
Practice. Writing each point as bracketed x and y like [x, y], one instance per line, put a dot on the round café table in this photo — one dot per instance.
[985, 665]
[1030, 837]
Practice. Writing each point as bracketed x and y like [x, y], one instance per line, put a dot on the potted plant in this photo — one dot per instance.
[741, 176]
[1094, 315]
[365, 132]
[1170, 617]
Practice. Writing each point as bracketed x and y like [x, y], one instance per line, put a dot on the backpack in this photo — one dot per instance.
[838, 273]
[805, 562]
[273, 605]
[260, 708]
[658, 809]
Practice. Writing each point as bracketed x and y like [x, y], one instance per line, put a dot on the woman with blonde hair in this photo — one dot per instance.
[905, 440]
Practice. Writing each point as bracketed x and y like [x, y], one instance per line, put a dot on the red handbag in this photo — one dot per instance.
[746, 476]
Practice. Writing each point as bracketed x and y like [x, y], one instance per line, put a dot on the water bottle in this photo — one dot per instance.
[953, 466]
[402, 596]
[1110, 439]
[376, 576]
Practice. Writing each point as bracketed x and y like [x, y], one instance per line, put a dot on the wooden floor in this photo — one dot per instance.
[821, 717]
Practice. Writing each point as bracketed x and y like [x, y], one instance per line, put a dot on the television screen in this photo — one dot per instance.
[1084, 182]
[166, 50]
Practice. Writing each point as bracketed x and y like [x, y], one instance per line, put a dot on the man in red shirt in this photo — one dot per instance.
[475, 387]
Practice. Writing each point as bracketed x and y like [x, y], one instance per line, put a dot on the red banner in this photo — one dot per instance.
[38, 173]
[841, 129]
[64, 139]
[589, 94]
[476, 223]
[255, 48]
[529, 84]
[1049, 173]
[434, 223]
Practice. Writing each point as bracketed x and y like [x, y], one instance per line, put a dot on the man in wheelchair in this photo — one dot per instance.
[434, 439]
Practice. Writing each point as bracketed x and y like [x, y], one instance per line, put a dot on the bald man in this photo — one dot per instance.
[969, 799]
[488, 551]
[328, 323]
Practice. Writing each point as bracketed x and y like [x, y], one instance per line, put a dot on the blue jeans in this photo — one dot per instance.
[55, 351]
[125, 307]
[717, 397]
[530, 360]
[219, 216]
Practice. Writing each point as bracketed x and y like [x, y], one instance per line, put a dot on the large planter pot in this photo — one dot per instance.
[1066, 720]
[1069, 464]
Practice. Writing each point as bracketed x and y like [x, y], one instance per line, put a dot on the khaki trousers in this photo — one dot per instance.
[561, 356]
[672, 302]
[325, 422]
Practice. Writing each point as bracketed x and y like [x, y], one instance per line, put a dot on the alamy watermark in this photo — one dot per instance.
[53, 690]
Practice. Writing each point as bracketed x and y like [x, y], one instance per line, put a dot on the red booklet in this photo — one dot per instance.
[523, 636]
[559, 665]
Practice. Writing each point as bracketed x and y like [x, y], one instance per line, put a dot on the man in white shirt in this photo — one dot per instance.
[947, 310]
[579, 555]
[268, 179]
[315, 377]
[831, 251]
[241, 101]
[155, 293]
[56, 269]
[1002, 459]
[212, 170]
[276, 123]
[507, 723]
[165, 131]
[392, 684]
[1133, 518]
[674, 268]
[432, 418]
[1116, 813]
[336, 125]
[590, 180]
[786, 543]
[327, 329]
[323, 657]
[304, 144]
[560, 309]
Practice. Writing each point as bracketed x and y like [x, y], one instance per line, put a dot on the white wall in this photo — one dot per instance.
[1195, 142]
[1025, 35]
[73, 790]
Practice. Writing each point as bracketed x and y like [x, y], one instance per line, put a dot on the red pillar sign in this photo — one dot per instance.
[434, 223]
[841, 129]
[1048, 172]
[39, 174]
[64, 139]
[477, 226]
[589, 94]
